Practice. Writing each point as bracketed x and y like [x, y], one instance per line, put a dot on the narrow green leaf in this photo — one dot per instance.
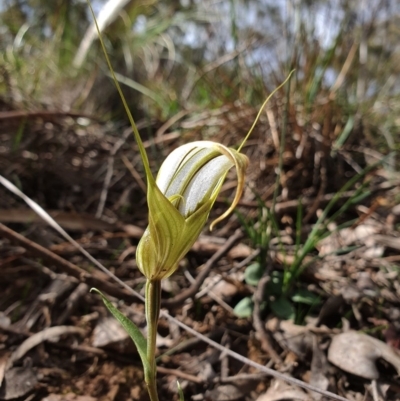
[262, 109]
[303, 296]
[131, 328]
[343, 136]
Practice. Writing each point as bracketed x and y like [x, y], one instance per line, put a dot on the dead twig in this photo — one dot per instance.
[38, 338]
[261, 332]
[317, 201]
[241, 377]
[179, 373]
[192, 290]
[110, 171]
[134, 173]
[94, 279]
[44, 114]
[292, 205]
[69, 220]
[80, 291]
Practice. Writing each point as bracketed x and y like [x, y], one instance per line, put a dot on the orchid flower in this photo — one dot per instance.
[180, 201]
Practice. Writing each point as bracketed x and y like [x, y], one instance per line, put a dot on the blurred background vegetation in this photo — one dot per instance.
[201, 69]
[197, 70]
[177, 57]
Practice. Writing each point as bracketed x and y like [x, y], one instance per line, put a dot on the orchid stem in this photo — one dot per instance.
[153, 304]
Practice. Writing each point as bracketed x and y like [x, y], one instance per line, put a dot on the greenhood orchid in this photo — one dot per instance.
[180, 201]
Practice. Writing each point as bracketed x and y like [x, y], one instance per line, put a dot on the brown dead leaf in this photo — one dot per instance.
[220, 287]
[332, 310]
[108, 331]
[290, 336]
[226, 392]
[363, 234]
[319, 369]
[279, 390]
[17, 383]
[356, 353]
[200, 366]
[210, 245]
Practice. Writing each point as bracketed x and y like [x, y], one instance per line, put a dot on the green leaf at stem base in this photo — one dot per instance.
[131, 328]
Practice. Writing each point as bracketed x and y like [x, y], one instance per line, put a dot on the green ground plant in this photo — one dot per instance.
[285, 295]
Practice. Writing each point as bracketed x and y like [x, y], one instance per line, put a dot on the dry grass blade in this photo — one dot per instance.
[107, 15]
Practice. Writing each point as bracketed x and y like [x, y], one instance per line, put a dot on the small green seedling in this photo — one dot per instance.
[285, 297]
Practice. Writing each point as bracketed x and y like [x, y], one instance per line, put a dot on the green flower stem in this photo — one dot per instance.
[153, 304]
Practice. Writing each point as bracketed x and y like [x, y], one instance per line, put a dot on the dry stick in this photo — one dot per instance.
[45, 114]
[37, 338]
[110, 168]
[264, 336]
[292, 205]
[134, 174]
[38, 209]
[70, 268]
[191, 343]
[110, 171]
[73, 300]
[68, 220]
[74, 347]
[168, 124]
[224, 365]
[241, 376]
[179, 373]
[274, 129]
[317, 201]
[208, 290]
[192, 290]
[163, 139]
[343, 72]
